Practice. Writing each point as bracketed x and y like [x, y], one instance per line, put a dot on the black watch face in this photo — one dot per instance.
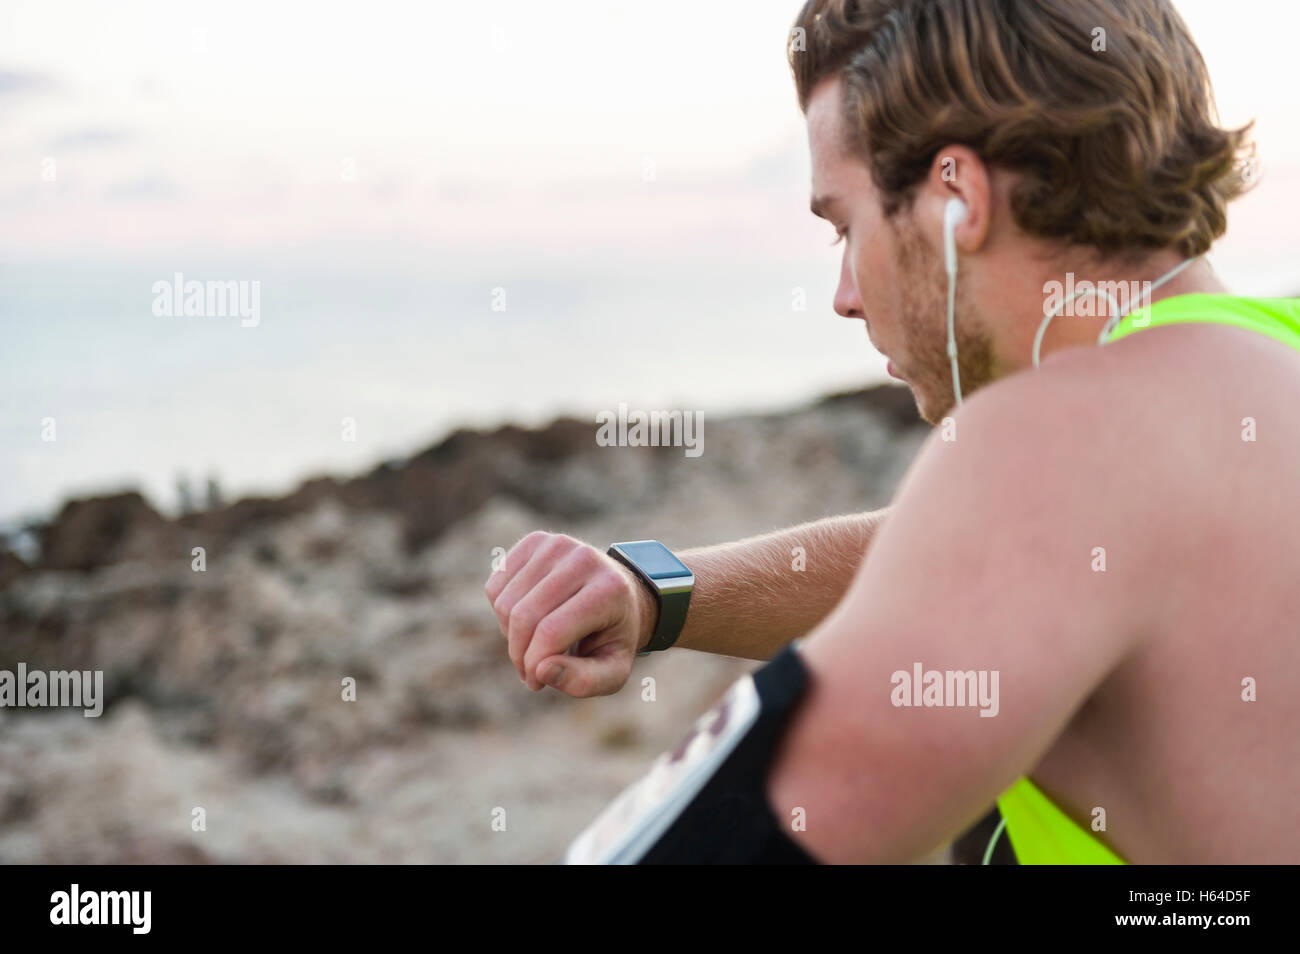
[655, 560]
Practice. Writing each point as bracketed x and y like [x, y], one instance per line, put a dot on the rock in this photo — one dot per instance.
[98, 531]
[333, 687]
[891, 403]
[12, 566]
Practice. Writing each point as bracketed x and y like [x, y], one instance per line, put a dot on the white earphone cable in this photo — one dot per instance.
[1115, 315]
[1111, 323]
[952, 333]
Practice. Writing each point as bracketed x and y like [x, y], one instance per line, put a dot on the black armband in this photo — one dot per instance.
[705, 802]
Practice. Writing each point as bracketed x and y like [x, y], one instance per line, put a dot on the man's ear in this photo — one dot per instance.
[957, 172]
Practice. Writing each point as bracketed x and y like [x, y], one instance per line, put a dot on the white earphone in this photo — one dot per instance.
[954, 213]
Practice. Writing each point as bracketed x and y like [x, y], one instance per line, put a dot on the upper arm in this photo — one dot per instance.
[989, 562]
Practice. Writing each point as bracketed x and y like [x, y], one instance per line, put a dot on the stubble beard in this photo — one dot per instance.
[924, 302]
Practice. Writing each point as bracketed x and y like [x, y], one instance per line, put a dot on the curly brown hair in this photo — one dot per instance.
[1113, 134]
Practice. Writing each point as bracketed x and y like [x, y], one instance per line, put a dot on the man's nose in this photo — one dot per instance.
[847, 302]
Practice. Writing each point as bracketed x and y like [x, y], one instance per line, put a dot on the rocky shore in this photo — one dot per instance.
[226, 639]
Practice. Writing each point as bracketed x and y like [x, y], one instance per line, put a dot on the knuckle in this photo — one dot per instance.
[544, 550]
[520, 619]
[584, 561]
[547, 636]
[560, 543]
[515, 647]
[612, 586]
[534, 651]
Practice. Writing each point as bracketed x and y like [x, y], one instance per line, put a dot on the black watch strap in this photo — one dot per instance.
[673, 596]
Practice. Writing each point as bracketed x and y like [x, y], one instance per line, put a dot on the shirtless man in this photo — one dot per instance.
[1114, 532]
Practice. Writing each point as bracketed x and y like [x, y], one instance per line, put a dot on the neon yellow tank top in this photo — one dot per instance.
[1040, 833]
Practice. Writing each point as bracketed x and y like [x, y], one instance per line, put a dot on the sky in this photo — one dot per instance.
[409, 121]
[382, 167]
[487, 128]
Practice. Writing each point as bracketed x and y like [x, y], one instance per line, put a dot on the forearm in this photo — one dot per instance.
[753, 596]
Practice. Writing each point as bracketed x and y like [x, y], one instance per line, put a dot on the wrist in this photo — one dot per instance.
[646, 610]
[668, 582]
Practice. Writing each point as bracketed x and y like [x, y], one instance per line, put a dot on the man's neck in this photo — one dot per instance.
[1198, 278]
[1082, 324]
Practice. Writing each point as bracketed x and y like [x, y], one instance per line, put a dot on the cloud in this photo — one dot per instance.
[143, 189]
[79, 140]
[13, 83]
[779, 167]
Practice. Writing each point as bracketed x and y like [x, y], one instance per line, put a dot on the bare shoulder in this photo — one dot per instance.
[1153, 404]
[1159, 441]
[1176, 373]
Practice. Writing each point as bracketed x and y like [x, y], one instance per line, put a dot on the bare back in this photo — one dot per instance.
[1186, 768]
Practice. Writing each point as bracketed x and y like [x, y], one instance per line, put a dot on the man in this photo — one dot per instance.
[1108, 541]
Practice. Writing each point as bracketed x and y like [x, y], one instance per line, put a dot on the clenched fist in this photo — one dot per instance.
[574, 617]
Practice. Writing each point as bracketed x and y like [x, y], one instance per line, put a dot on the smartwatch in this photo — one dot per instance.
[669, 579]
